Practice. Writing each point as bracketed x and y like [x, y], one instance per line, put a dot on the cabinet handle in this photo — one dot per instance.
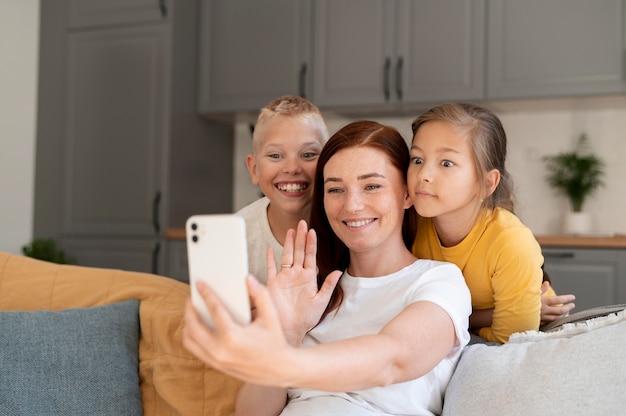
[155, 211]
[163, 8]
[386, 78]
[560, 255]
[303, 69]
[399, 68]
[155, 258]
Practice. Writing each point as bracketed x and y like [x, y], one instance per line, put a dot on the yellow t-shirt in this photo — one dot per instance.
[501, 262]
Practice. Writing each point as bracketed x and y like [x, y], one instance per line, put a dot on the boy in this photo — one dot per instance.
[287, 140]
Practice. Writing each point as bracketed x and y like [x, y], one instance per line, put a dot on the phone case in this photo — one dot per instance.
[217, 254]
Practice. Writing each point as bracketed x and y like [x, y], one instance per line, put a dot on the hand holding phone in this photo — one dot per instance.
[217, 254]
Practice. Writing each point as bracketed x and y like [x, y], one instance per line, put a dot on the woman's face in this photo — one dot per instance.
[364, 198]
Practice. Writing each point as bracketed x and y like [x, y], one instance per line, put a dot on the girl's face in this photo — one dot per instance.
[283, 165]
[364, 198]
[442, 178]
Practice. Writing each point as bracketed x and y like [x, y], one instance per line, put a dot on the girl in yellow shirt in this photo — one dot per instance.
[463, 194]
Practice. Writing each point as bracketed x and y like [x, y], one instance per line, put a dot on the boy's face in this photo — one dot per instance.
[283, 163]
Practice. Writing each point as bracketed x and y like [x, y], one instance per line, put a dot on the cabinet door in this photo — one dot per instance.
[177, 264]
[93, 13]
[117, 98]
[354, 52]
[139, 255]
[252, 52]
[440, 50]
[555, 48]
[592, 275]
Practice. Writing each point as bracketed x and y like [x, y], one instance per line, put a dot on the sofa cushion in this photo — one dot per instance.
[75, 361]
[172, 380]
[577, 370]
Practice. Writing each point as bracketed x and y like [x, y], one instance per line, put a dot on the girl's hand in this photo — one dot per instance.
[554, 307]
[294, 287]
[257, 352]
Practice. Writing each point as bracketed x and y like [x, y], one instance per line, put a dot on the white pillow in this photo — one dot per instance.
[578, 370]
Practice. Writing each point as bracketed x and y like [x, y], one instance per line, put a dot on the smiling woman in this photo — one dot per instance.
[395, 326]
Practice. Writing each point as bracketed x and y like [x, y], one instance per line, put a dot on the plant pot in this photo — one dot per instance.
[577, 223]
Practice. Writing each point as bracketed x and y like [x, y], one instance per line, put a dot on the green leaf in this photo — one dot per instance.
[576, 174]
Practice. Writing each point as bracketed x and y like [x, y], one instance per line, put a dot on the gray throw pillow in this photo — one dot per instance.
[72, 362]
[579, 370]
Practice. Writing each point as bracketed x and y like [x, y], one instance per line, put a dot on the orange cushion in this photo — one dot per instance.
[172, 380]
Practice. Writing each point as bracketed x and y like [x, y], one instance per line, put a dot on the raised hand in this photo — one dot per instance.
[294, 289]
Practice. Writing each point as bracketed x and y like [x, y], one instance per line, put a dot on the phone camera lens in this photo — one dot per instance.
[194, 226]
[194, 238]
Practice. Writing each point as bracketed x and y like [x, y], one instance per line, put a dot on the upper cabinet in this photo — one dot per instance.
[402, 51]
[395, 54]
[94, 13]
[539, 48]
[252, 52]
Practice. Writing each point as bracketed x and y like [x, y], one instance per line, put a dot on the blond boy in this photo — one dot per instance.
[288, 137]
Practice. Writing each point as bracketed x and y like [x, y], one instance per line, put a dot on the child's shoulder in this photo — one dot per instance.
[505, 227]
[254, 208]
[503, 219]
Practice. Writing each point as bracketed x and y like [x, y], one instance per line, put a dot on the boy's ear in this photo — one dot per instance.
[251, 165]
[493, 179]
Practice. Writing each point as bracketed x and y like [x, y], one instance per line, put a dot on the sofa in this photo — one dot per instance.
[74, 316]
[78, 340]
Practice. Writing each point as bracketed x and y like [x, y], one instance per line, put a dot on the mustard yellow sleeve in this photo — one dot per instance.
[516, 284]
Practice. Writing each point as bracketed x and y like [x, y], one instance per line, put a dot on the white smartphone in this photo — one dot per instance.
[217, 253]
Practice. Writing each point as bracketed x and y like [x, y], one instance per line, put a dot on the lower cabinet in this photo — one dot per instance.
[176, 266]
[140, 255]
[596, 277]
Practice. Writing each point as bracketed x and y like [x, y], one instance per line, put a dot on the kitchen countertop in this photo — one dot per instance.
[572, 241]
[175, 234]
[583, 241]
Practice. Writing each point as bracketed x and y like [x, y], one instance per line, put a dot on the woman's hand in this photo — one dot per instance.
[256, 352]
[294, 287]
[554, 307]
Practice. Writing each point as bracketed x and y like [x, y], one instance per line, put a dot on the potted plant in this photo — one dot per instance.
[46, 249]
[577, 175]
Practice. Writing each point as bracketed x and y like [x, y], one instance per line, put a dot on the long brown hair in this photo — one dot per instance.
[332, 253]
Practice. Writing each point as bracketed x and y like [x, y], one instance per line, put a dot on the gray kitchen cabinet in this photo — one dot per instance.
[596, 277]
[117, 126]
[177, 263]
[252, 52]
[93, 13]
[117, 253]
[121, 151]
[117, 92]
[539, 48]
[403, 51]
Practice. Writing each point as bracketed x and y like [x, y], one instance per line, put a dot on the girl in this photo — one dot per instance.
[388, 341]
[463, 194]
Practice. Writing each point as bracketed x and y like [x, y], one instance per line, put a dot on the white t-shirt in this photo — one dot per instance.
[260, 237]
[369, 304]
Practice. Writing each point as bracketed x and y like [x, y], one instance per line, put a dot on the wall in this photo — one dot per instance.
[534, 128]
[19, 44]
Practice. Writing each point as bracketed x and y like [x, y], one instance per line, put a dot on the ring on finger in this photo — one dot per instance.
[286, 266]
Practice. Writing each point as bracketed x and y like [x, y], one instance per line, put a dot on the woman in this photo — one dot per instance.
[390, 337]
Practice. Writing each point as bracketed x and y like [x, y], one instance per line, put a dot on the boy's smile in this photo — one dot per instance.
[292, 187]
